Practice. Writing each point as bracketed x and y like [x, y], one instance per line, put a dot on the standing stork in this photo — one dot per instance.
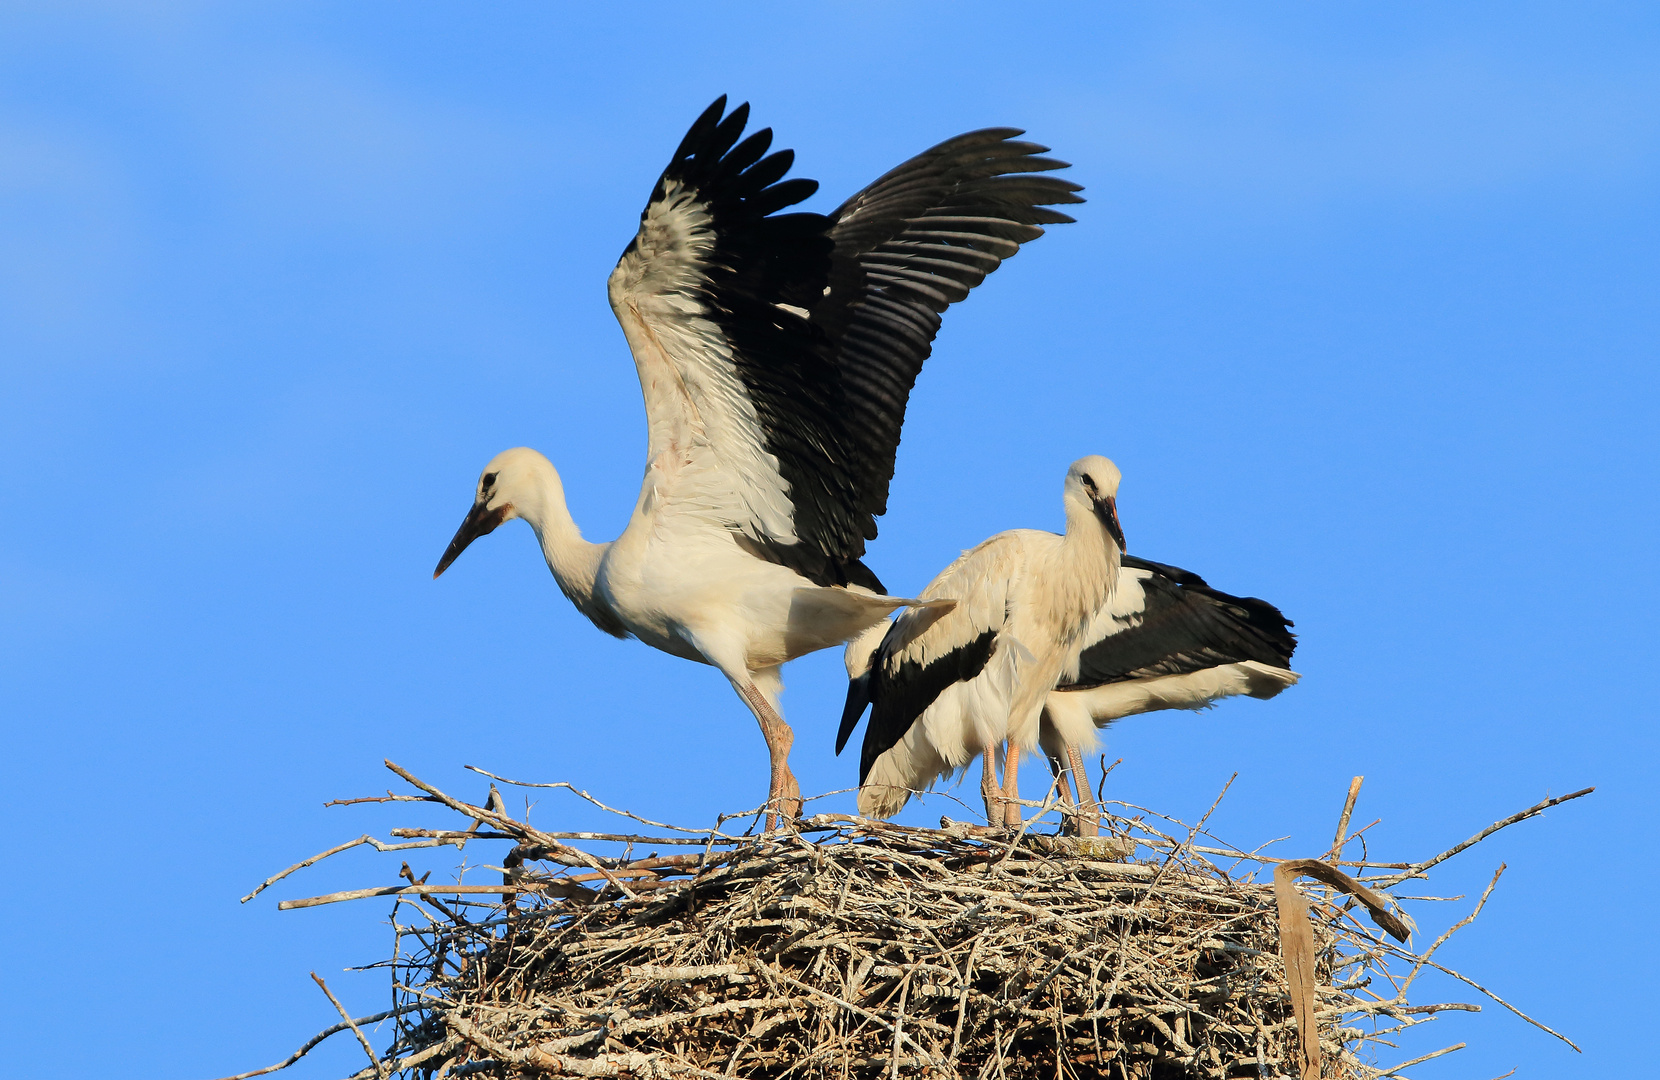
[1164, 639]
[945, 687]
[776, 353]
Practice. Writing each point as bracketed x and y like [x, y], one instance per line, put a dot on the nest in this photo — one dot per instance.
[852, 948]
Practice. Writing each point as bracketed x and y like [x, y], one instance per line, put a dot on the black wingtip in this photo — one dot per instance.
[858, 696]
[701, 127]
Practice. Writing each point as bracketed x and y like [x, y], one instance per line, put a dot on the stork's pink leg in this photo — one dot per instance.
[1069, 808]
[1011, 786]
[784, 794]
[1089, 822]
[988, 786]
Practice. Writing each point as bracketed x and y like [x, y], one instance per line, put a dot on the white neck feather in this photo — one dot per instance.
[540, 500]
[1092, 556]
[1080, 575]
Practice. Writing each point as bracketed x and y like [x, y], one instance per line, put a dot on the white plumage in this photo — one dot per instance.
[1164, 639]
[1073, 718]
[776, 352]
[947, 687]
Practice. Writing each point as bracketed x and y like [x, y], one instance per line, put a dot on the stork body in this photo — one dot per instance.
[775, 353]
[946, 687]
[1164, 639]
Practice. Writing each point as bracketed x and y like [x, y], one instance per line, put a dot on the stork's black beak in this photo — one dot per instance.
[480, 521]
[1107, 510]
[858, 697]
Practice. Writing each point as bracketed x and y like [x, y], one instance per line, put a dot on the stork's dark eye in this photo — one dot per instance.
[489, 481]
[1089, 483]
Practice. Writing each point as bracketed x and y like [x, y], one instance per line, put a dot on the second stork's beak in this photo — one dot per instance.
[1107, 510]
[480, 521]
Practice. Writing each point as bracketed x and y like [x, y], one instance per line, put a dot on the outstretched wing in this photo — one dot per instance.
[776, 351]
[907, 247]
[742, 394]
[1162, 620]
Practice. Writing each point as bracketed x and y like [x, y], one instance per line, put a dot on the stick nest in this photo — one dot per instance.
[852, 948]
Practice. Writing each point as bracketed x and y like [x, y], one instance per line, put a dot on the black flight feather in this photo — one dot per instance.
[830, 390]
[1184, 626]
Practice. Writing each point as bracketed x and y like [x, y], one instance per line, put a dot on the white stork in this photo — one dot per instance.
[1164, 639]
[947, 687]
[776, 353]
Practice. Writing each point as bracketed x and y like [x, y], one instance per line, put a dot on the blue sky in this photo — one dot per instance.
[1363, 304]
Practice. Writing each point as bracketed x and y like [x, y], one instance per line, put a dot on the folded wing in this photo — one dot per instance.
[1163, 620]
[939, 685]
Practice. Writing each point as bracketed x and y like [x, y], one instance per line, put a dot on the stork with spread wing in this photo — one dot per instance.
[776, 352]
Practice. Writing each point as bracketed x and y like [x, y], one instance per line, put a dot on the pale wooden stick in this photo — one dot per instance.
[609, 809]
[374, 1058]
[1343, 821]
[434, 890]
[1420, 1060]
[312, 1043]
[337, 849]
[1533, 811]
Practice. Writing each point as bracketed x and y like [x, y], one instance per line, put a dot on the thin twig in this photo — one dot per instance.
[572, 891]
[374, 1058]
[1343, 819]
[337, 849]
[609, 809]
[1420, 1060]
[388, 797]
[1533, 811]
[312, 1043]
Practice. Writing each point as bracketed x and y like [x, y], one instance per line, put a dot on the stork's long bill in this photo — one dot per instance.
[1107, 510]
[480, 521]
[1105, 504]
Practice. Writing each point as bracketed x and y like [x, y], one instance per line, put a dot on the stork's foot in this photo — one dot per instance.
[1072, 823]
[784, 794]
[1063, 794]
[1076, 822]
[784, 802]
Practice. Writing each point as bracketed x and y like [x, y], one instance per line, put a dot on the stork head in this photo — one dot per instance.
[509, 487]
[859, 654]
[1092, 484]
[862, 649]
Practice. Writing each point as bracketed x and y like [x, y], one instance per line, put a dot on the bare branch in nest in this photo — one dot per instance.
[388, 797]
[1533, 811]
[348, 845]
[1343, 819]
[317, 1039]
[346, 1017]
[850, 948]
[579, 793]
[1421, 1059]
